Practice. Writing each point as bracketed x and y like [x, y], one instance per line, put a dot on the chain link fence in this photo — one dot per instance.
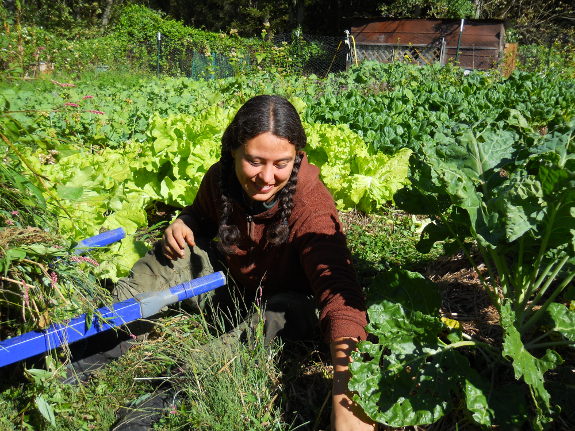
[297, 53]
[557, 53]
[331, 53]
[320, 55]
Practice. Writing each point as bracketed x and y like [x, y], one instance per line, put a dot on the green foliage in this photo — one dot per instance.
[516, 201]
[33, 50]
[228, 385]
[43, 283]
[383, 240]
[139, 26]
[62, 16]
[428, 8]
[547, 59]
[488, 155]
[357, 177]
[21, 202]
[409, 377]
[395, 106]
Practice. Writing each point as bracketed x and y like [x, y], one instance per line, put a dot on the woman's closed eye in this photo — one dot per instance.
[278, 165]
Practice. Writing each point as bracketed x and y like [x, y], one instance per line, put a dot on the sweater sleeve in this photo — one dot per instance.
[202, 216]
[327, 263]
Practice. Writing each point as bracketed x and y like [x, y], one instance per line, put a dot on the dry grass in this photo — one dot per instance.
[464, 298]
[16, 236]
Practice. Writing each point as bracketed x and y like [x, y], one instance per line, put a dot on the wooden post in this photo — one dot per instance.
[509, 59]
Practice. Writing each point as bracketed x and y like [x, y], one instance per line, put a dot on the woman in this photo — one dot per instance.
[278, 234]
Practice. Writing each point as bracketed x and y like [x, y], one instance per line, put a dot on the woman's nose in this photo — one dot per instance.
[267, 174]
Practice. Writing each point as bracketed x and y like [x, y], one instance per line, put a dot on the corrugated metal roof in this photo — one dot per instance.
[480, 46]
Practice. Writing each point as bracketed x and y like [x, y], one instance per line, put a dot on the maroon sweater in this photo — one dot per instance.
[315, 258]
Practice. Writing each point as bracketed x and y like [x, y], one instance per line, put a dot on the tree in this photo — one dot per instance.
[249, 17]
[427, 8]
[66, 14]
[533, 20]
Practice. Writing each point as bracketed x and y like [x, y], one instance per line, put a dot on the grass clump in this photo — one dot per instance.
[227, 386]
[213, 383]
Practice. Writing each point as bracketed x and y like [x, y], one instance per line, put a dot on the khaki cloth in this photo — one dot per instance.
[155, 272]
[290, 315]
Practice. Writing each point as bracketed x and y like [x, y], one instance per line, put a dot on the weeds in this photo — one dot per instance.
[380, 242]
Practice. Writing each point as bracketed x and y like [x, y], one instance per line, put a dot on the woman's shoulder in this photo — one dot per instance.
[312, 196]
[211, 178]
[309, 183]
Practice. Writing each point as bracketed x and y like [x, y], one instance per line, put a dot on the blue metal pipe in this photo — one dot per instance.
[101, 240]
[141, 306]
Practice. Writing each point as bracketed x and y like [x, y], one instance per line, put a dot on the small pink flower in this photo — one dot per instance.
[92, 111]
[15, 213]
[53, 279]
[75, 105]
[84, 259]
[10, 222]
[173, 410]
[26, 296]
[87, 97]
[63, 84]
[132, 336]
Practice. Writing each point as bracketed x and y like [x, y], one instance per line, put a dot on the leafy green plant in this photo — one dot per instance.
[383, 240]
[393, 106]
[357, 177]
[517, 202]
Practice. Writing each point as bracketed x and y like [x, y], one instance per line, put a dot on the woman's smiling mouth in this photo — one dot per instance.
[265, 189]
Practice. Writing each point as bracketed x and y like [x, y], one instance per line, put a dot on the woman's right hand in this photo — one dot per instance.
[175, 238]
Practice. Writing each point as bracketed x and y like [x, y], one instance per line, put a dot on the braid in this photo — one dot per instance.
[228, 234]
[279, 232]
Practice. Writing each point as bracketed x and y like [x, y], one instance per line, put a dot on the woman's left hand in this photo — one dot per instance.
[346, 415]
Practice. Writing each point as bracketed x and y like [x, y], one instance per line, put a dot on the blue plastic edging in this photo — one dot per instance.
[100, 240]
[144, 305]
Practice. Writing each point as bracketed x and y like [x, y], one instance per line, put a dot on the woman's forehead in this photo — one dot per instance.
[267, 145]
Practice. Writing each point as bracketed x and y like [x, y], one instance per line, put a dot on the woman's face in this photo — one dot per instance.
[263, 165]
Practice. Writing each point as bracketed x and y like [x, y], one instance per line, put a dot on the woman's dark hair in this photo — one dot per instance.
[258, 115]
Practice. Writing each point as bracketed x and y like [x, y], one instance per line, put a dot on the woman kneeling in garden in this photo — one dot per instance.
[277, 232]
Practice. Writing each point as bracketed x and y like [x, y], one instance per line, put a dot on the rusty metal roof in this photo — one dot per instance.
[480, 47]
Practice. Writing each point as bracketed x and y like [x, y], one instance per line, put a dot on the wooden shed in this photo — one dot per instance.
[422, 41]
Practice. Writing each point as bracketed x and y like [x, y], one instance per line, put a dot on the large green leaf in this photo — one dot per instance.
[476, 399]
[45, 409]
[414, 382]
[356, 177]
[503, 405]
[410, 289]
[527, 366]
[562, 320]
[520, 204]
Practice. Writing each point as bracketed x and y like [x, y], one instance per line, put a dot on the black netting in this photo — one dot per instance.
[307, 54]
[320, 55]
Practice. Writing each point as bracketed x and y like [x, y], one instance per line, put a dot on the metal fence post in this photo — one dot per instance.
[459, 40]
[159, 53]
[442, 52]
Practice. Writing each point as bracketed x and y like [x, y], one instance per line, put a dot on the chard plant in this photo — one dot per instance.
[515, 199]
